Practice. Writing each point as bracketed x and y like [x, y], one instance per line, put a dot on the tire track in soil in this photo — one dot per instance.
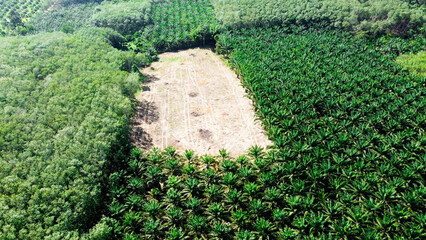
[187, 107]
[237, 99]
[204, 103]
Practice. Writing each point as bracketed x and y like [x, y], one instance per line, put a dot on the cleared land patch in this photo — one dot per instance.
[193, 101]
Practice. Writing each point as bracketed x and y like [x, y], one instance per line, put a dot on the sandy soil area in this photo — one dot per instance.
[194, 101]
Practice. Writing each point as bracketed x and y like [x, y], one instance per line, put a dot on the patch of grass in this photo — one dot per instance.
[415, 63]
[169, 60]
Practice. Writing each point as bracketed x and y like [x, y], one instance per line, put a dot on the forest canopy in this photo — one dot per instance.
[378, 16]
[64, 104]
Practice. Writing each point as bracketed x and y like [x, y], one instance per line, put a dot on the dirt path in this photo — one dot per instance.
[193, 101]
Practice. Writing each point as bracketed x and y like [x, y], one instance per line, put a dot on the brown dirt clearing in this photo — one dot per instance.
[194, 101]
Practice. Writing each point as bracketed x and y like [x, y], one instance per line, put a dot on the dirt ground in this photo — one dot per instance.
[192, 100]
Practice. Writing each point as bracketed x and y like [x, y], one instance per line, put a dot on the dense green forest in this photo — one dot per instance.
[65, 107]
[369, 16]
[339, 86]
[67, 18]
[124, 17]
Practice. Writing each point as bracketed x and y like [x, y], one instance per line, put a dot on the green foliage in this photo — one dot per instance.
[349, 124]
[414, 62]
[416, 3]
[14, 13]
[371, 16]
[64, 111]
[194, 205]
[178, 24]
[396, 45]
[71, 16]
[106, 35]
[124, 17]
[306, 94]
[102, 230]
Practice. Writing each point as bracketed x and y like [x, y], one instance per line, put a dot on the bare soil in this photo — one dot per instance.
[194, 101]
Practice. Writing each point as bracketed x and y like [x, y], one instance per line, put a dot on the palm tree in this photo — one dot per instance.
[189, 154]
[224, 153]
[176, 234]
[152, 229]
[221, 231]
[192, 187]
[240, 218]
[213, 193]
[194, 205]
[208, 160]
[174, 216]
[170, 151]
[244, 235]
[153, 208]
[264, 229]
[215, 211]
[197, 225]
[256, 152]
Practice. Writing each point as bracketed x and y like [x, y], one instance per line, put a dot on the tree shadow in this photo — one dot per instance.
[140, 138]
